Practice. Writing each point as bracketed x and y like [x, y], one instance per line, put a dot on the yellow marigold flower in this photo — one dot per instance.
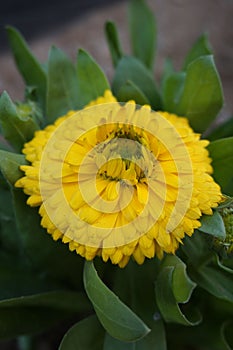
[119, 180]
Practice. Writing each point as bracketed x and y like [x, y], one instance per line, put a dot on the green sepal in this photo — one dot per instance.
[222, 156]
[142, 32]
[30, 69]
[131, 69]
[87, 334]
[16, 128]
[113, 42]
[202, 96]
[38, 311]
[173, 286]
[62, 92]
[129, 91]
[92, 82]
[9, 166]
[200, 48]
[30, 109]
[226, 203]
[213, 225]
[118, 320]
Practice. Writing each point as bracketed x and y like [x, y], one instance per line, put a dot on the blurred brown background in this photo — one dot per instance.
[179, 23]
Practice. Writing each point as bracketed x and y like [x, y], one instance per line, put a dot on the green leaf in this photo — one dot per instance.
[222, 131]
[222, 155]
[173, 286]
[135, 286]
[4, 146]
[9, 165]
[202, 96]
[29, 67]
[16, 129]
[215, 278]
[62, 93]
[172, 86]
[196, 249]
[213, 225]
[131, 69]
[44, 254]
[29, 314]
[87, 334]
[206, 269]
[92, 81]
[142, 31]
[155, 340]
[10, 248]
[200, 48]
[113, 42]
[119, 321]
[129, 91]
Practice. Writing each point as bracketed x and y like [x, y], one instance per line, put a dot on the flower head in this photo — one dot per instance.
[119, 180]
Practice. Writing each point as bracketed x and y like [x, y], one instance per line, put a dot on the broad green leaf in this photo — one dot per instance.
[173, 85]
[131, 69]
[213, 225]
[87, 334]
[113, 42]
[61, 300]
[118, 320]
[155, 340]
[129, 91]
[202, 96]
[10, 249]
[29, 314]
[9, 165]
[143, 32]
[30, 69]
[4, 146]
[62, 92]
[215, 278]
[173, 286]
[182, 286]
[17, 280]
[223, 130]
[135, 286]
[222, 155]
[207, 334]
[16, 129]
[44, 254]
[92, 81]
[200, 48]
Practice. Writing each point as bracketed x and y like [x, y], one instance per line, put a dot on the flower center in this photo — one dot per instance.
[122, 157]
